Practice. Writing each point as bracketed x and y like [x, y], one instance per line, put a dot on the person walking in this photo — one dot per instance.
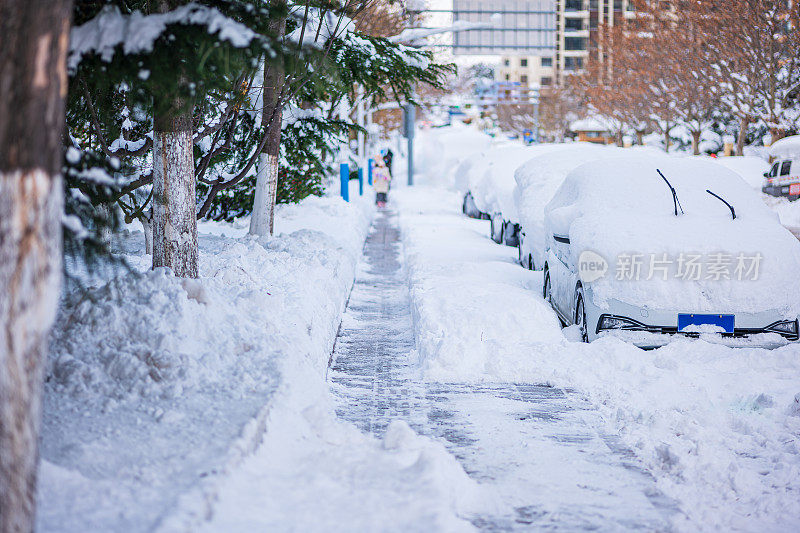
[380, 182]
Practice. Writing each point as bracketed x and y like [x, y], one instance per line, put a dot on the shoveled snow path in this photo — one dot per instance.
[542, 449]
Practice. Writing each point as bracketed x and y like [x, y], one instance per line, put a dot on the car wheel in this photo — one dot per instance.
[580, 316]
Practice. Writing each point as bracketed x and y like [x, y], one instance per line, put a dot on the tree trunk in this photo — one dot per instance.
[33, 83]
[147, 224]
[262, 221]
[666, 139]
[743, 123]
[174, 217]
[777, 134]
[696, 142]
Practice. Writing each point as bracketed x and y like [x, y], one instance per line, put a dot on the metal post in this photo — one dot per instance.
[410, 116]
[370, 162]
[344, 178]
[361, 182]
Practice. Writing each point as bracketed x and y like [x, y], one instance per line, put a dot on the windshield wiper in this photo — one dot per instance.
[675, 200]
[721, 199]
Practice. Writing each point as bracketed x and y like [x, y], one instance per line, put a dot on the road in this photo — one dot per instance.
[542, 449]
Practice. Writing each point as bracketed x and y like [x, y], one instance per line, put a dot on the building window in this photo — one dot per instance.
[523, 62]
[523, 79]
[508, 77]
[506, 62]
[574, 43]
[573, 63]
[547, 80]
[547, 61]
[573, 24]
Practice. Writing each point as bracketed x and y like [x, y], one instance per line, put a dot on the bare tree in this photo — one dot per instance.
[33, 83]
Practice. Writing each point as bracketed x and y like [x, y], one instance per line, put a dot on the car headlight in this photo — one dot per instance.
[617, 322]
[784, 327]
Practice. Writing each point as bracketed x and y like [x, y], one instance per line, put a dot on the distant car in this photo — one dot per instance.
[783, 179]
[487, 179]
[696, 252]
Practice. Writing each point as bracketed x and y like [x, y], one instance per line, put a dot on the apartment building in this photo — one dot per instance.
[577, 31]
[527, 70]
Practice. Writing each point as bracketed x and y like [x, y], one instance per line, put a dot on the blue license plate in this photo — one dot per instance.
[693, 319]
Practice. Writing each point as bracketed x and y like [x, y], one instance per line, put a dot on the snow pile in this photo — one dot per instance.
[751, 169]
[621, 207]
[311, 474]
[458, 330]
[157, 386]
[441, 150]
[788, 212]
[716, 426]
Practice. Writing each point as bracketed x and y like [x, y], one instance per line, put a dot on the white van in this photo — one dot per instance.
[783, 178]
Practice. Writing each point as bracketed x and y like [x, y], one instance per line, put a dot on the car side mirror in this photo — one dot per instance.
[766, 174]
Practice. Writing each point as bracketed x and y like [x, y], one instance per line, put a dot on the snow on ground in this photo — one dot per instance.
[184, 405]
[157, 385]
[718, 427]
[750, 168]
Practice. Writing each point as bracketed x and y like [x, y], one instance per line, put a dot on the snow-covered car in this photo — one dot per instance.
[646, 247]
[491, 188]
[783, 177]
[536, 182]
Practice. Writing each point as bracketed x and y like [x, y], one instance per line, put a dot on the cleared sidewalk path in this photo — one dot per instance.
[541, 448]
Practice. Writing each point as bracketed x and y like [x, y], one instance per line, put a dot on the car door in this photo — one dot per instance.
[561, 275]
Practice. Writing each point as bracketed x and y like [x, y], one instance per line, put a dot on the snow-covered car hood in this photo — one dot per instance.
[622, 210]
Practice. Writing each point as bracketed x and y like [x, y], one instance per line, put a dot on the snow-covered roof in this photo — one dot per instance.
[786, 147]
[588, 124]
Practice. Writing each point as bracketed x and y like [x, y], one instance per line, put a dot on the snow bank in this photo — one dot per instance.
[716, 426]
[441, 150]
[751, 169]
[157, 385]
[314, 475]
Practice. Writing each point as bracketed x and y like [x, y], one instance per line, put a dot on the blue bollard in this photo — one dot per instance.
[361, 182]
[344, 177]
[370, 162]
